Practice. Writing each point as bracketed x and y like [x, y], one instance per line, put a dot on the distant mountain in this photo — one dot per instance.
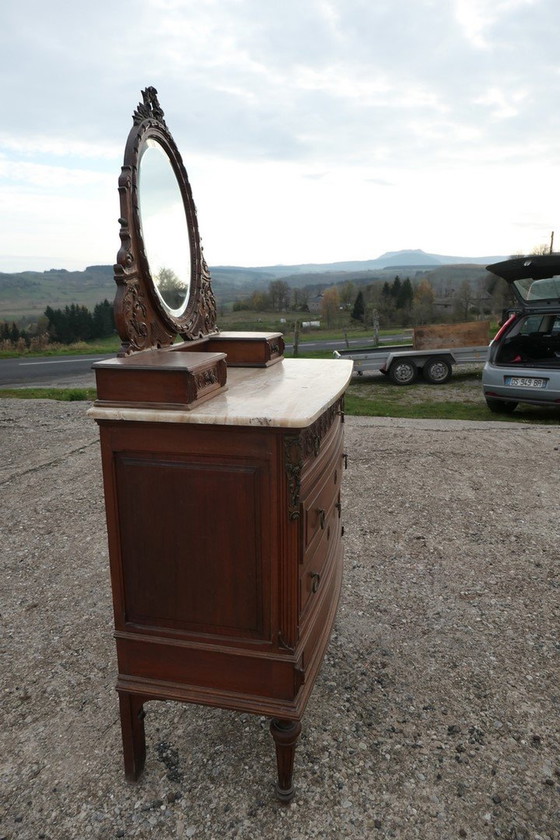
[389, 259]
[26, 294]
[419, 258]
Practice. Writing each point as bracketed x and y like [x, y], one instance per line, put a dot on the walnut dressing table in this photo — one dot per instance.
[222, 467]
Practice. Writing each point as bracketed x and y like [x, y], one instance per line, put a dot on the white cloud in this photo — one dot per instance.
[39, 145]
[317, 130]
[53, 178]
[480, 19]
[503, 104]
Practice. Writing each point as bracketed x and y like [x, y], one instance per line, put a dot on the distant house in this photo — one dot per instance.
[314, 303]
[480, 302]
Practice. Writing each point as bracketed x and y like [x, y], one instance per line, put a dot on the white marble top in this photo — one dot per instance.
[292, 393]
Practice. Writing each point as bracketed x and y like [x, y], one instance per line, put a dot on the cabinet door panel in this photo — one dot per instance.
[191, 543]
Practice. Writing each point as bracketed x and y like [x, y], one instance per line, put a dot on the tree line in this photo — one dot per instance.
[400, 302]
[76, 323]
[63, 326]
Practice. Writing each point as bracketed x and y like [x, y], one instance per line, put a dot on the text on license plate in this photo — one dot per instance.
[526, 382]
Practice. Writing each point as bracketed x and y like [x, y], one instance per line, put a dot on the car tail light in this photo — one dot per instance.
[505, 326]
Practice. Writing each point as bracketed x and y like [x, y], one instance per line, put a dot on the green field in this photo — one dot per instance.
[459, 399]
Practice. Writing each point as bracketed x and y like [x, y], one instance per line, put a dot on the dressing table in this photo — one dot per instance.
[222, 469]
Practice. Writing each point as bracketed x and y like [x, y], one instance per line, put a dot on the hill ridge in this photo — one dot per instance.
[26, 294]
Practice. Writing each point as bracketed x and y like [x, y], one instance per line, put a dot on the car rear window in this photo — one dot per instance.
[546, 324]
[544, 289]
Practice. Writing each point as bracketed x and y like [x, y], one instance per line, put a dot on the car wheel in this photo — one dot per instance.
[436, 371]
[403, 372]
[500, 406]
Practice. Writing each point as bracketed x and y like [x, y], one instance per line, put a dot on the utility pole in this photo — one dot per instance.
[375, 325]
[551, 241]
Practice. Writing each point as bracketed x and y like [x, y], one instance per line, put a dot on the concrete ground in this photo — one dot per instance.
[436, 712]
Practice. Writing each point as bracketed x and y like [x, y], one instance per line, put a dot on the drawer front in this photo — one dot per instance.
[318, 561]
[319, 620]
[320, 502]
[320, 458]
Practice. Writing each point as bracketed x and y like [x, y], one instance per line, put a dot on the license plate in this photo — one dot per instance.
[525, 382]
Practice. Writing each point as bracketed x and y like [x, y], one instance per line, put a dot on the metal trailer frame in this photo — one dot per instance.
[402, 364]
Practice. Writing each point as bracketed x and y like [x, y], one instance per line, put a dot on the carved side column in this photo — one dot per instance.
[285, 734]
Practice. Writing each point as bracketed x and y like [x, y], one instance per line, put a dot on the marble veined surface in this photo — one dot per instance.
[292, 393]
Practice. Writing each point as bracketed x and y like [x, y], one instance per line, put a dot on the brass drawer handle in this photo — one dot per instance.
[338, 506]
[345, 459]
[322, 519]
[315, 581]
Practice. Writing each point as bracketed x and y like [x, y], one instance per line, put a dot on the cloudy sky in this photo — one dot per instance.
[312, 130]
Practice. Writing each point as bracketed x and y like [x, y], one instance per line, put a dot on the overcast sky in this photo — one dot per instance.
[312, 130]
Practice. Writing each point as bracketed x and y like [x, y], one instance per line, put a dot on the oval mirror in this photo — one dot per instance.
[164, 286]
[165, 231]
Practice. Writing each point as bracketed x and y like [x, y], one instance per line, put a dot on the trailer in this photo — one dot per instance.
[402, 364]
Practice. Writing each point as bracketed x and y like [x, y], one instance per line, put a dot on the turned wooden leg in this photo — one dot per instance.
[134, 741]
[285, 734]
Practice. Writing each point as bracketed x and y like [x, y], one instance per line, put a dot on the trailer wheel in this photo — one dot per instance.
[403, 372]
[437, 370]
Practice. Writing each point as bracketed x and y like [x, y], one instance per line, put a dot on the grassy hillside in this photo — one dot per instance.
[24, 296]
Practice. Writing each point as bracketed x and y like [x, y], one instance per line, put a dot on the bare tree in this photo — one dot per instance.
[423, 302]
[463, 301]
[279, 292]
[330, 306]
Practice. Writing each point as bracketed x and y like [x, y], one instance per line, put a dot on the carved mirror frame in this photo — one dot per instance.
[143, 320]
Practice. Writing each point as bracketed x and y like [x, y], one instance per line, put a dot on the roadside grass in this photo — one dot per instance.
[63, 394]
[112, 344]
[81, 348]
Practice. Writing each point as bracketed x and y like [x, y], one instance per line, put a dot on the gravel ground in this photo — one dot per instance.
[436, 711]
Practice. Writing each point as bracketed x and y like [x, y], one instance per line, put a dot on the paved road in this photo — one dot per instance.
[52, 371]
[47, 371]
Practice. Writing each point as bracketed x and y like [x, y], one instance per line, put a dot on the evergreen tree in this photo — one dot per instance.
[396, 290]
[75, 323]
[103, 320]
[405, 295]
[359, 309]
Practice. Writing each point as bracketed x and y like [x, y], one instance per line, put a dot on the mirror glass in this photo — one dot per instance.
[164, 228]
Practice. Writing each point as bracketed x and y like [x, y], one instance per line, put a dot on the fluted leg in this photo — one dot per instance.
[285, 734]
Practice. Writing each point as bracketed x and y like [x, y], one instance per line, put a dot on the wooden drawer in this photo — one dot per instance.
[320, 501]
[317, 561]
[321, 458]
